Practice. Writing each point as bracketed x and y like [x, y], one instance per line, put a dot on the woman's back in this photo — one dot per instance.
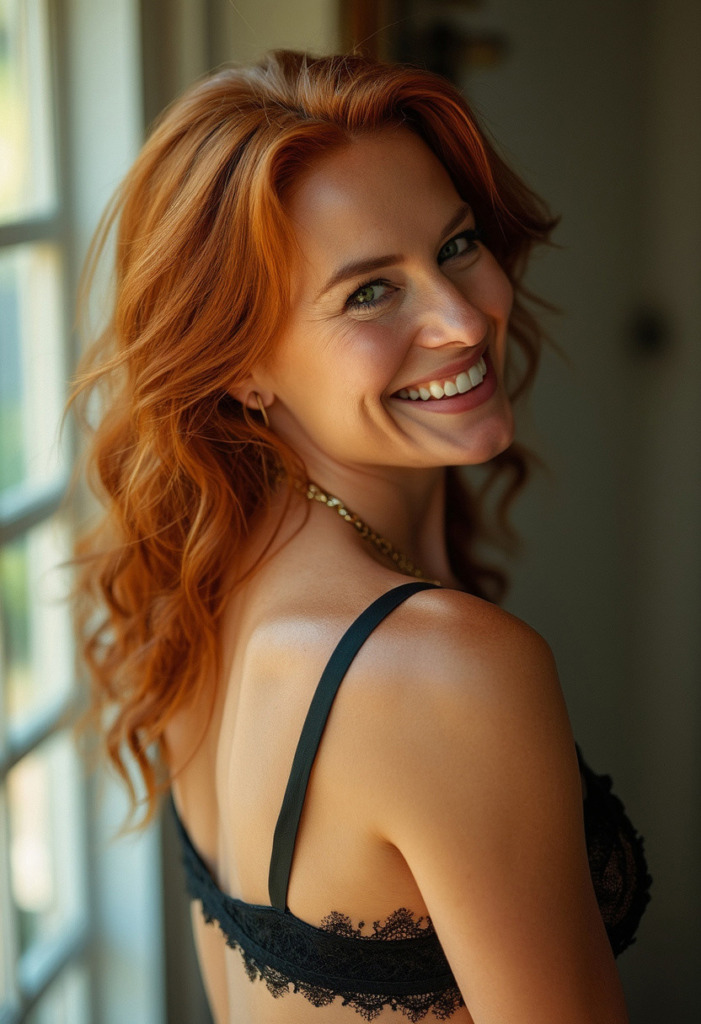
[276, 644]
[277, 639]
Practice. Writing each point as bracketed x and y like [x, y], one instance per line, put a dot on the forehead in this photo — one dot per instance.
[378, 193]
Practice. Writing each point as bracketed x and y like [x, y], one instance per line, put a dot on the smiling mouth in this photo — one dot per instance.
[447, 387]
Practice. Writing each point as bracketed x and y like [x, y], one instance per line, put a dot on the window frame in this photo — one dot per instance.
[28, 976]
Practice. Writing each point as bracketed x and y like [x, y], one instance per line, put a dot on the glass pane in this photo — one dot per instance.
[32, 382]
[46, 832]
[8, 989]
[26, 131]
[35, 622]
[66, 1002]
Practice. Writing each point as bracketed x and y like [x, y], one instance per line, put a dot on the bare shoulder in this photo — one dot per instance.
[471, 622]
[455, 688]
[454, 649]
[472, 775]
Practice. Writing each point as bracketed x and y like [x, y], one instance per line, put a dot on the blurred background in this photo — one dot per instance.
[597, 103]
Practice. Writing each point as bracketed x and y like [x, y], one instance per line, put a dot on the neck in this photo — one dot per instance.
[405, 507]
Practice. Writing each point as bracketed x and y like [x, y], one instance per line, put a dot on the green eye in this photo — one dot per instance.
[365, 295]
[449, 249]
[463, 243]
[369, 295]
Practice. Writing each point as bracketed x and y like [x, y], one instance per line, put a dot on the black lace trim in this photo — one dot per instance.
[400, 924]
[617, 861]
[368, 1005]
[401, 964]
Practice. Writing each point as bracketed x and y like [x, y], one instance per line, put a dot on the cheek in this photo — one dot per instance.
[498, 296]
[348, 361]
[368, 354]
[507, 295]
[377, 347]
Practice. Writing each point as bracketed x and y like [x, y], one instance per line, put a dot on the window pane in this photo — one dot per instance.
[46, 830]
[26, 134]
[66, 1002]
[8, 992]
[35, 622]
[32, 383]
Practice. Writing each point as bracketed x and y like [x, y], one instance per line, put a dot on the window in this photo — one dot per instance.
[44, 925]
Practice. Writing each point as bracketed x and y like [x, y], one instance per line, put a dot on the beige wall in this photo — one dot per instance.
[253, 26]
[183, 39]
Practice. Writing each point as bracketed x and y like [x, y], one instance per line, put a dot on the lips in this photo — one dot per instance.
[447, 384]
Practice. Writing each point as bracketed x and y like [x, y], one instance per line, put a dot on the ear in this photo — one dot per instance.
[246, 392]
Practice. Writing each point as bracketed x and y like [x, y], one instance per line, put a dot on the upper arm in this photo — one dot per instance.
[480, 792]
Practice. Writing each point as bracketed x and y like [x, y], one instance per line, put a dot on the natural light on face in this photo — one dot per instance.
[393, 286]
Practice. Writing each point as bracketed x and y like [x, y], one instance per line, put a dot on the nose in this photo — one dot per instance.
[447, 316]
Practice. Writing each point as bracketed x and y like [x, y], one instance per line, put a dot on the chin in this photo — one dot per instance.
[494, 438]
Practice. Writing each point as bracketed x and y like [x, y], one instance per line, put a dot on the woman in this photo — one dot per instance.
[318, 295]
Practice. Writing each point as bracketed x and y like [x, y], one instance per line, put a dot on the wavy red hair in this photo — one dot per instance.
[201, 288]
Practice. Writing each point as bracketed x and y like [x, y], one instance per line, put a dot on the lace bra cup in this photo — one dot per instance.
[616, 859]
[401, 964]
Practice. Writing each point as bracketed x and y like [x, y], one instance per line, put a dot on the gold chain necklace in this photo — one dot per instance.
[313, 492]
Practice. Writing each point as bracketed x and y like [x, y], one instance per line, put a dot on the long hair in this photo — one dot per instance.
[203, 244]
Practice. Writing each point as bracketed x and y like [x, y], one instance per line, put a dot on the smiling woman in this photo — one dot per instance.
[315, 257]
[441, 308]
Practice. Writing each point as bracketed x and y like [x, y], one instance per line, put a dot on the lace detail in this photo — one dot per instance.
[401, 964]
[616, 859]
[368, 1005]
[335, 965]
[399, 925]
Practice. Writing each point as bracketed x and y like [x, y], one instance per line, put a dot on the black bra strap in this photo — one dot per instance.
[310, 737]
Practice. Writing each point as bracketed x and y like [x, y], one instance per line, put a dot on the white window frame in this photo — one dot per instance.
[98, 126]
[29, 977]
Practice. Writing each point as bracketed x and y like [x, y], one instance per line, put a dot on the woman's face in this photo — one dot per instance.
[396, 312]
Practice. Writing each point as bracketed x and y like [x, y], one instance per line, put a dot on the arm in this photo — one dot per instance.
[481, 794]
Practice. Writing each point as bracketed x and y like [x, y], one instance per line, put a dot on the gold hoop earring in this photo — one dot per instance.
[263, 410]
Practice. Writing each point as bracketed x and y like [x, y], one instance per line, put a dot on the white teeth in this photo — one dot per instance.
[475, 375]
[464, 382]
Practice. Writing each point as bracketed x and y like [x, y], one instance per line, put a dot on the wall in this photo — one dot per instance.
[248, 28]
[666, 664]
[594, 106]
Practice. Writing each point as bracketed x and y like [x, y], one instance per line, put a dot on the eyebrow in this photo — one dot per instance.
[365, 266]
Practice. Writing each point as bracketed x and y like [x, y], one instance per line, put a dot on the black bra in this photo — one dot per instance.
[402, 964]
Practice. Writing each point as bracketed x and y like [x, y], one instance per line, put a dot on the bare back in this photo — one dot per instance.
[448, 747]
[275, 645]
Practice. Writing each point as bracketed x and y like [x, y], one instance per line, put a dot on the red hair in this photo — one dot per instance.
[202, 249]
